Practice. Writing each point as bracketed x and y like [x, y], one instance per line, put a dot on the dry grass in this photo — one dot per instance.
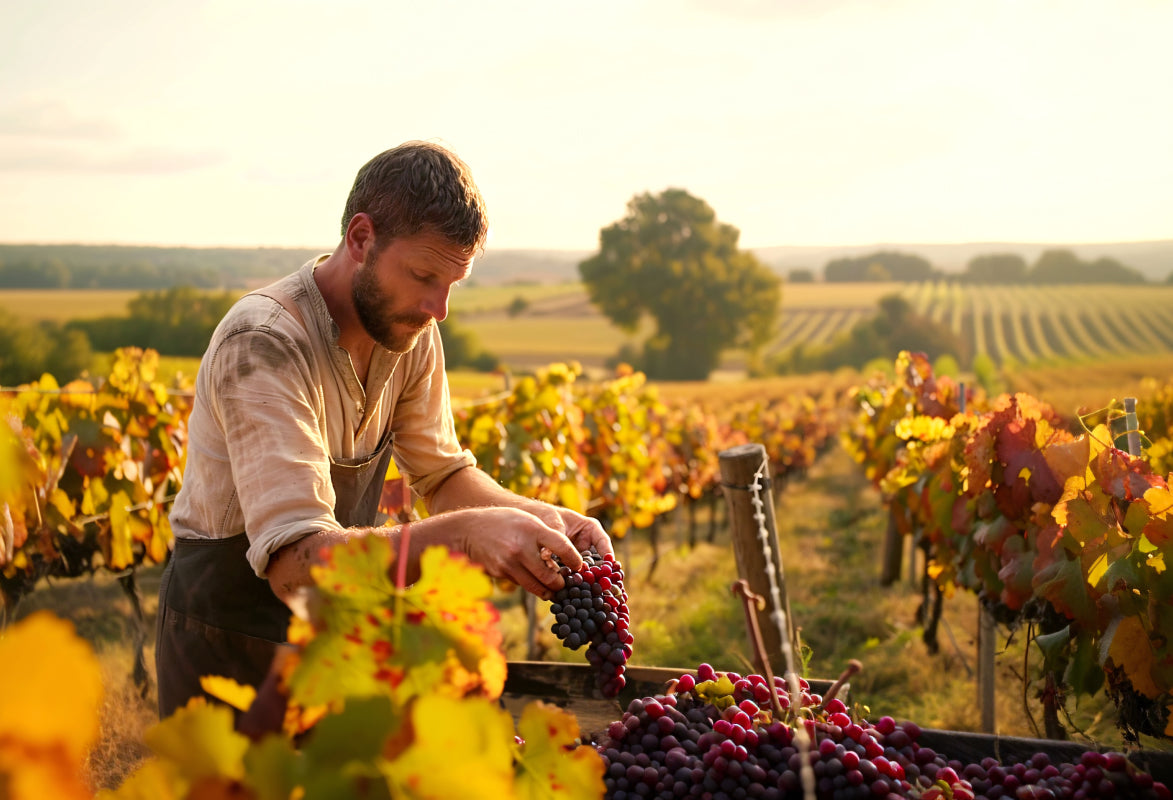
[126, 714]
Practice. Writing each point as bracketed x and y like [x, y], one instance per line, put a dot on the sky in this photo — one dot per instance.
[800, 122]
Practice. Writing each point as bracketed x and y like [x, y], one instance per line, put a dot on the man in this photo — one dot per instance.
[307, 390]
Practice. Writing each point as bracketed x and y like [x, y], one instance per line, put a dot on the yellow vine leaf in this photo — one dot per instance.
[237, 695]
[551, 763]
[153, 780]
[1159, 528]
[121, 538]
[475, 728]
[1132, 651]
[199, 739]
[49, 716]
[48, 661]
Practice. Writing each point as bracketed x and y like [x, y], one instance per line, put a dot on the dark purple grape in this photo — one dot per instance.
[592, 611]
[687, 747]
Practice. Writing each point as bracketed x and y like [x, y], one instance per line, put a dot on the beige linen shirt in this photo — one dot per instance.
[276, 401]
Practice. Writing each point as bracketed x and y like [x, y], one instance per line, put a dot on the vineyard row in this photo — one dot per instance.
[90, 468]
[1023, 324]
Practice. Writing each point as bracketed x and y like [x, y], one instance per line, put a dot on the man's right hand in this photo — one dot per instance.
[507, 542]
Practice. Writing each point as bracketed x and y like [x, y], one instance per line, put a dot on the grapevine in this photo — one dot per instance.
[1059, 532]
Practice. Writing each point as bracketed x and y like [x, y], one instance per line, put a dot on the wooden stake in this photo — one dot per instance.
[741, 466]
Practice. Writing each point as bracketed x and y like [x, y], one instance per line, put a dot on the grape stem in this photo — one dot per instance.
[752, 603]
[853, 667]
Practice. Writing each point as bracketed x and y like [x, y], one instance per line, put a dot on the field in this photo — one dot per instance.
[62, 305]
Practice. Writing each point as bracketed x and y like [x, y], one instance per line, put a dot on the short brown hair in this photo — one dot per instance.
[419, 186]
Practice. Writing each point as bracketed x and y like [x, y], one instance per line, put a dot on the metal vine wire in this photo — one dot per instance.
[778, 617]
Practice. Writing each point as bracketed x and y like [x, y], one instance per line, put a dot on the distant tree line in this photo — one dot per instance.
[176, 322]
[881, 266]
[1051, 267]
[125, 267]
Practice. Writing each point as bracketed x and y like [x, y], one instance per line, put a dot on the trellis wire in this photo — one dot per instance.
[778, 617]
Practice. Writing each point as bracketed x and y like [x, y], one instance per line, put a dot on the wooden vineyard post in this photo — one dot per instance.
[1132, 427]
[985, 667]
[987, 630]
[745, 476]
[891, 561]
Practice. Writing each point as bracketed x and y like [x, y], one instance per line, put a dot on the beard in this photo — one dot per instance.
[372, 305]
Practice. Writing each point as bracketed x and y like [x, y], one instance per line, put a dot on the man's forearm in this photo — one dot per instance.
[470, 488]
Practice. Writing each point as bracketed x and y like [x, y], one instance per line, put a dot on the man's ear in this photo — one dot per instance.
[360, 237]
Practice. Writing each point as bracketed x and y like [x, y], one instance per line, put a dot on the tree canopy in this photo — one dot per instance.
[996, 268]
[1064, 266]
[881, 266]
[670, 259]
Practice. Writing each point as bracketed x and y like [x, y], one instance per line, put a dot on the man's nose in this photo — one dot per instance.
[436, 303]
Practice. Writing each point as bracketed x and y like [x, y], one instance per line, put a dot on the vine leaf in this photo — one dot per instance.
[1053, 646]
[1062, 582]
[239, 696]
[441, 727]
[550, 762]
[1132, 651]
[1083, 671]
[1159, 528]
[42, 751]
[370, 638]
[199, 739]
[274, 767]
[1069, 462]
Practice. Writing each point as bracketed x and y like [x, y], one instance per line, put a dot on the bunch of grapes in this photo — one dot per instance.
[716, 736]
[591, 609]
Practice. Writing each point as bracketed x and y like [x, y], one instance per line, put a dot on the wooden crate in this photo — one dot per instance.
[572, 687]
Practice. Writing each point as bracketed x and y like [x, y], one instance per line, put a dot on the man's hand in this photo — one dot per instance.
[508, 543]
[585, 532]
[471, 491]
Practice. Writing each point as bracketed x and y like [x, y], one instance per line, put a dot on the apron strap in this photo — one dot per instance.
[282, 299]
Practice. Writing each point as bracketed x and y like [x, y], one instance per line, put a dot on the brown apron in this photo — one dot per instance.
[216, 617]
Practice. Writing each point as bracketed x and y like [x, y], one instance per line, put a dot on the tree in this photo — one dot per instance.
[28, 350]
[996, 268]
[177, 322]
[670, 259]
[1057, 266]
[517, 306]
[884, 265]
[1064, 266]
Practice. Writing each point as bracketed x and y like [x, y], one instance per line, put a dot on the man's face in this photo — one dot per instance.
[403, 286]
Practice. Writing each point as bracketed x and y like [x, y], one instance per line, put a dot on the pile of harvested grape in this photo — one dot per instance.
[721, 736]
